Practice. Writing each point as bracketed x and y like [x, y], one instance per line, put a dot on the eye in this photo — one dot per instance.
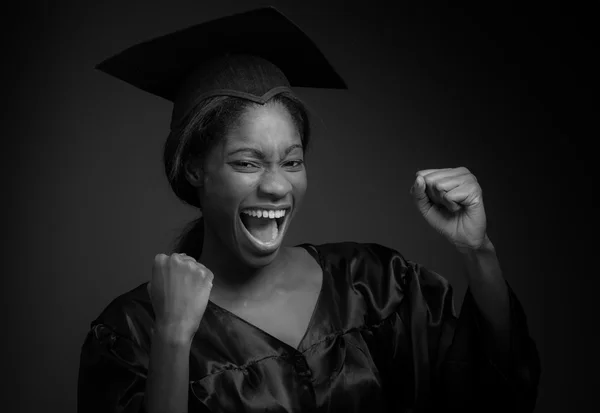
[244, 165]
[295, 164]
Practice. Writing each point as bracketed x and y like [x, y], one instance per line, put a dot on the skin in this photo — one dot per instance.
[181, 285]
[450, 200]
[179, 292]
[259, 161]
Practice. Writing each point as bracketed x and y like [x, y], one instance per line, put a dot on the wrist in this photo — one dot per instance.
[482, 263]
[174, 334]
[485, 248]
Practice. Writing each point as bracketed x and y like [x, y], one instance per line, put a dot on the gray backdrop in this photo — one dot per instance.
[89, 207]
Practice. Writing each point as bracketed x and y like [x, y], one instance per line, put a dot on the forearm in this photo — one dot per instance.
[168, 373]
[490, 292]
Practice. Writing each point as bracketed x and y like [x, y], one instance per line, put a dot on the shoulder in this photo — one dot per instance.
[367, 275]
[378, 275]
[128, 315]
[357, 257]
[117, 344]
[349, 250]
[369, 257]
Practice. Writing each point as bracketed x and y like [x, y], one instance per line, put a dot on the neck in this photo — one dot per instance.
[234, 278]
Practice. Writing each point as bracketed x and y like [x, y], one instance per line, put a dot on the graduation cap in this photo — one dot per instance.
[253, 55]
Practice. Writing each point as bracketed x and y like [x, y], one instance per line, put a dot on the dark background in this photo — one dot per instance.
[498, 90]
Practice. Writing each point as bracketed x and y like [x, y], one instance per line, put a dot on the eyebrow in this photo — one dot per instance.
[259, 154]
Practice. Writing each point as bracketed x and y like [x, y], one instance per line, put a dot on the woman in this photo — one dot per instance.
[233, 321]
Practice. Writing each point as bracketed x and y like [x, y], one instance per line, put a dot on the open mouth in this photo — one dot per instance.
[264, 227]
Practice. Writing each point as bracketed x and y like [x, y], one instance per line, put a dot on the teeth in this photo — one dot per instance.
[264, 213]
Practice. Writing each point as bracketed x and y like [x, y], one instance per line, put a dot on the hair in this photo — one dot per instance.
[200, 132]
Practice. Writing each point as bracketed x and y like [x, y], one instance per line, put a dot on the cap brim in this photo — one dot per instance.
[160, 65]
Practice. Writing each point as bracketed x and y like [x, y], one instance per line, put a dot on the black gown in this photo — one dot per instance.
[383, 337]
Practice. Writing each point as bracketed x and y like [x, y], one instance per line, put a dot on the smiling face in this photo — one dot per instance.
[253, 182]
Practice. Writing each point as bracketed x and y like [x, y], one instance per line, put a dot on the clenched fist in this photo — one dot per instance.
[179, 291]
[451, 201]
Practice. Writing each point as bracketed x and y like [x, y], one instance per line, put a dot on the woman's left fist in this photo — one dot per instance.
[451, 201]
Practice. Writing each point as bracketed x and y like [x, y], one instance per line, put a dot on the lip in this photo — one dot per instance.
[270, 247]
[267, 207]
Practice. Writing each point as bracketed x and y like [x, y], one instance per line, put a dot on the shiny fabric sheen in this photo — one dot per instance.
[383, 338]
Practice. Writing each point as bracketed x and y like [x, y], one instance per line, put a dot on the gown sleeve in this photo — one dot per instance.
[443, 362]
[115, 355]
[112, 373]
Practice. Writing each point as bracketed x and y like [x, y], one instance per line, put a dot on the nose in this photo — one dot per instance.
[274, 184]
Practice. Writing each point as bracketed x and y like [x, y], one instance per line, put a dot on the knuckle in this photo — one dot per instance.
[205, 273]
[159, 261]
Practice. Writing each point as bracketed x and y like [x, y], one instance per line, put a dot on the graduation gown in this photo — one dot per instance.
[383, 337]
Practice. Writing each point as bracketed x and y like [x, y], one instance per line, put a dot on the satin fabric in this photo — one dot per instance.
[383, 337]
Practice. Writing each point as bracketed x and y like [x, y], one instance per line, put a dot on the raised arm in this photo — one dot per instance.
[126, 368]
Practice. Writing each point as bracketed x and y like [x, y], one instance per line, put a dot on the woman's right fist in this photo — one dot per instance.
[179, 292]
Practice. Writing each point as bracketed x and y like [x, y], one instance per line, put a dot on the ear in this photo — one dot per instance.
[194, 173]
